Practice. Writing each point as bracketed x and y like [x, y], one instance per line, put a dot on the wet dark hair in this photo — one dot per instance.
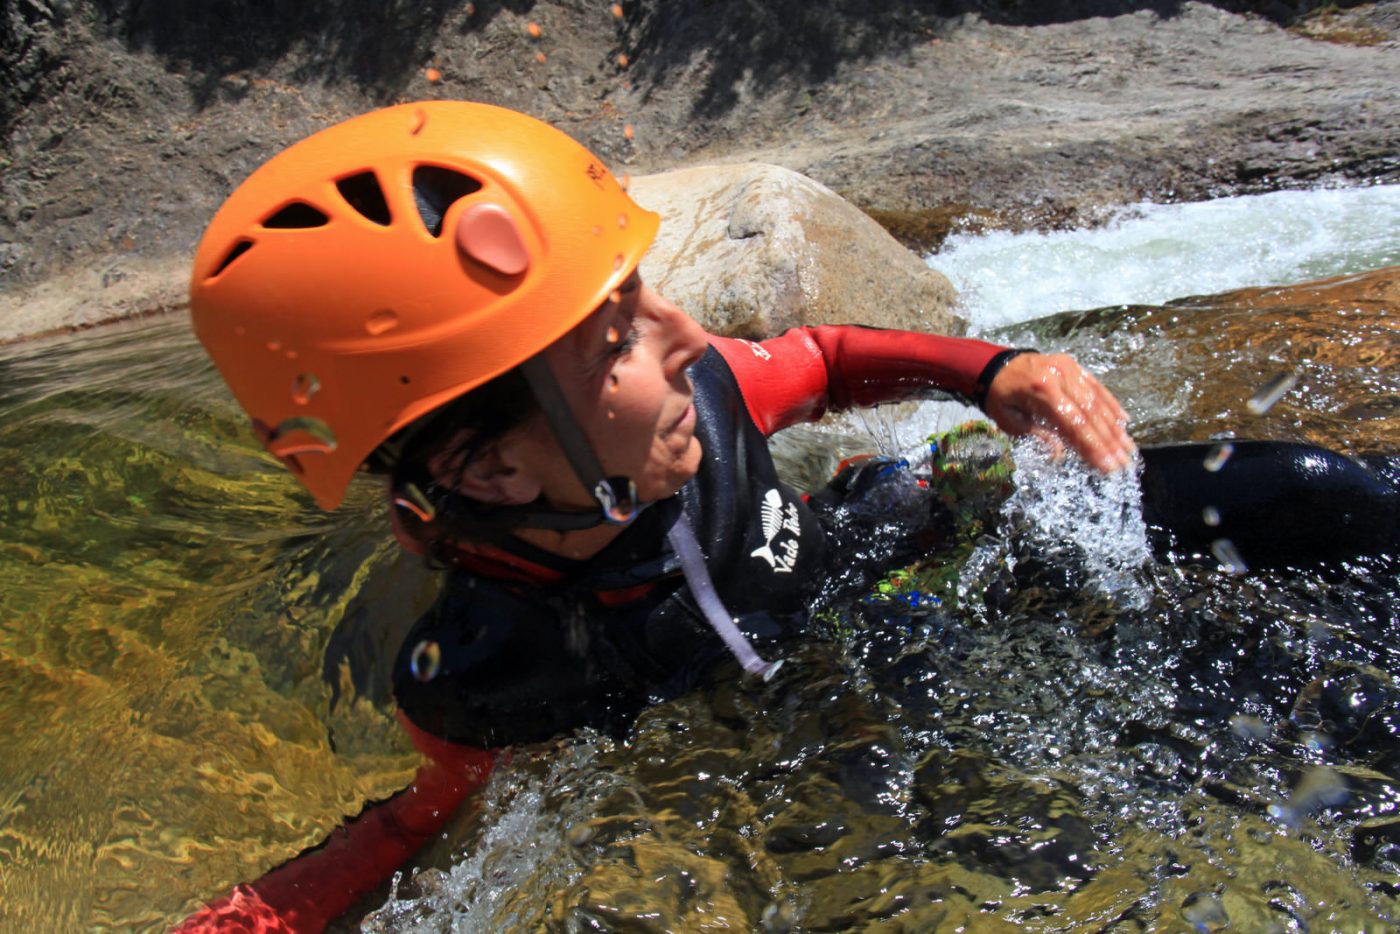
[441, 514]
[483, 416]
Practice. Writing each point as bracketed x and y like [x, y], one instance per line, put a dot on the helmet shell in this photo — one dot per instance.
[337, 315]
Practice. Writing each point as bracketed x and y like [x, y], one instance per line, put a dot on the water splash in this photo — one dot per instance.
[1071, 511]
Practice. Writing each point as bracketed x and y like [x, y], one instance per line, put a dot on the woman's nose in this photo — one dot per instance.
[686, 341]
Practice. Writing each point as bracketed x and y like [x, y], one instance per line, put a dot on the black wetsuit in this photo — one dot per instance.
[523, 644]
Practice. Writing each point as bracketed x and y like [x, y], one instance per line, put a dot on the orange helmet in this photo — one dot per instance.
[385, 266]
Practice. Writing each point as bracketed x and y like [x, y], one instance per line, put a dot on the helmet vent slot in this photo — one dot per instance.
[295, 216]
[362, 192]
[435, 189]
[239, 248]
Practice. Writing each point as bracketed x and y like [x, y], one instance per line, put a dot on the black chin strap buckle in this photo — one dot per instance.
[617, 497]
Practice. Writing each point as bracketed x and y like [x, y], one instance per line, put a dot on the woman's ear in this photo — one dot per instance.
[492, 477]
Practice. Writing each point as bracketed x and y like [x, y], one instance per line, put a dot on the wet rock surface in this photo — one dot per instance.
[124, 124]
[751, 250]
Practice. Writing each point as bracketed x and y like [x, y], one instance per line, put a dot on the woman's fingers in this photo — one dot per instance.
[1051, 392]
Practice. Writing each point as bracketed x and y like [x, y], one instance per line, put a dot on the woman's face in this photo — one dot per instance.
[623, 371]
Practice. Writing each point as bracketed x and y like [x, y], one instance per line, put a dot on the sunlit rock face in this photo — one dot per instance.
[751, 250]
[1191, 367]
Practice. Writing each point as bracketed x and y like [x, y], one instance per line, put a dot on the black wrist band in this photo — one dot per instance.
[990, 371]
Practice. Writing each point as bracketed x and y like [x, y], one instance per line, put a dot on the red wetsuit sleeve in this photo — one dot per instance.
[310, 891]
[806, 372]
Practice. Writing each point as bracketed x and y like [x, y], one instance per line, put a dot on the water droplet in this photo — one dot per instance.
[1210, 516]
[274, 346]
[1320, 787]
[1247, 727]
[1204, 912]
[534, 30]
[615, 296]
[611, 415]
[1231, 561]
[616, 10]
[290, 354]
[627, 131]
[1274, 390]
[622, 60]
[541, 57]
[304, 387]
[626, 181]
[618, 260]
[597, 230]
[614, 384]
[612, 336]
[622, 222]
[426, 660]
[1217, 456]
[432, 74]
[381, 321]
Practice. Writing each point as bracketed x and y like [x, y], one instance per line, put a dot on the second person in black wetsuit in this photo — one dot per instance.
[445, 294]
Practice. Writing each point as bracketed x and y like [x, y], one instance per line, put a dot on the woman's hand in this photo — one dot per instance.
[1053, 397]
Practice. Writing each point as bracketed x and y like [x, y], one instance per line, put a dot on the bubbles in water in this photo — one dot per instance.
[1217, 456]
[381, 322]
[304, 387]
[426, 660]
[1210, 516]
[1274, 390]
[1231, 561]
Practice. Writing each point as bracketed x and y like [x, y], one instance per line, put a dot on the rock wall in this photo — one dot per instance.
[123, 123]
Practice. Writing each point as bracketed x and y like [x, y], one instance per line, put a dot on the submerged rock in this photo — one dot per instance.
[1339, 338]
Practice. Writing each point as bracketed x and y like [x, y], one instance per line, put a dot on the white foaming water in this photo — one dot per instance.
[1151, 254]
[1071, 511]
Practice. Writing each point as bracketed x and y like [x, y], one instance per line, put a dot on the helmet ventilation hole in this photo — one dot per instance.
[434, 191]
[239, 248]
[362, 192]
[295, 216]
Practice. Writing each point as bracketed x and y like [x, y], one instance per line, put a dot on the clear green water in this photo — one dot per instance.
[192, 689]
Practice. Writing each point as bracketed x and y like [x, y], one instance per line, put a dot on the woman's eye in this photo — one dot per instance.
[625, 342]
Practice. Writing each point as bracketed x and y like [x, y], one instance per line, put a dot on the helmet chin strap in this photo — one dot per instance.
[416, 492]
[616, 496]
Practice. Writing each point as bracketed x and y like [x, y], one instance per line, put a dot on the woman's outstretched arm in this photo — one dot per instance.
[311, 890]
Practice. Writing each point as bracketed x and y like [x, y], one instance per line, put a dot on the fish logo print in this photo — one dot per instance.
[778, 517]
